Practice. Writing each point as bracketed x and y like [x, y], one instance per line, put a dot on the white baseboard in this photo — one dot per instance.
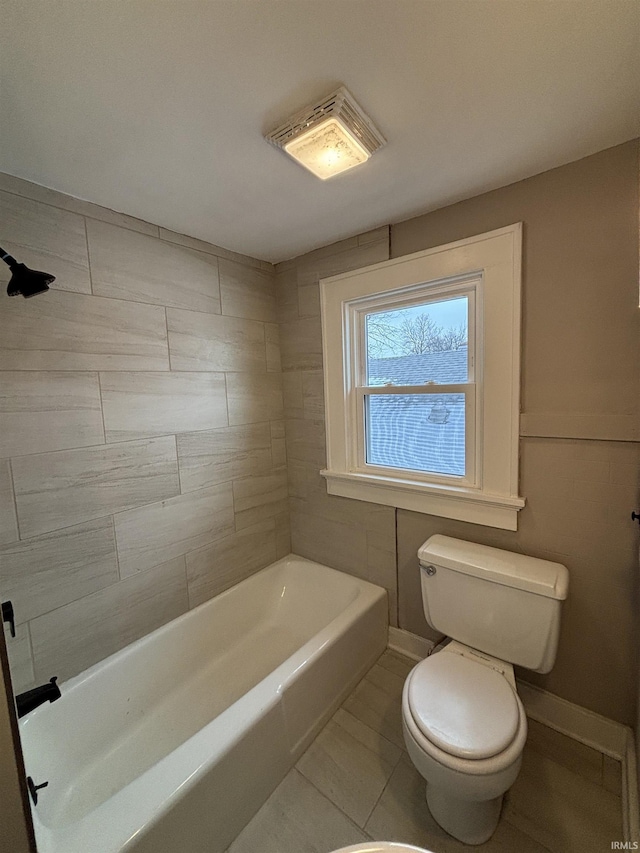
[408, 644]
[601, 733]
[575, 721]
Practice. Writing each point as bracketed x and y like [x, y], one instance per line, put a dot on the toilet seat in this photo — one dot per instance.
[496, 763]
[465, 708]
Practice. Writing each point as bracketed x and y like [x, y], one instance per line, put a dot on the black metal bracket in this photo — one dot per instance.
[635, 516]
[8, 616]
[33, 789]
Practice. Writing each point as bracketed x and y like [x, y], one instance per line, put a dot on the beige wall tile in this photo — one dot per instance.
[286, 293]
[301, 344]
[340, 546]
[45, 238]
[283, 535]
[203, 246]
[312, 393]
[277, 429]
[254, 397]
[247, 292]
[279, 452]
[151, 534]
[259, 497]
[139, 268]
[144, 404]
[311, 268]
[55, 490]
[210, 342]
[70, 331]
[72, 638]
[213, 569]
[215, 456]
[20, 187]
[48, 571]
[292, 394]
[272, 342]
[41, 411]
[377, 235]
[306, 442]
[309, 300]
[8, 522]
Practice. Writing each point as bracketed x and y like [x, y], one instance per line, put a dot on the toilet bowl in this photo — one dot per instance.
[465, 728]
[463, 722]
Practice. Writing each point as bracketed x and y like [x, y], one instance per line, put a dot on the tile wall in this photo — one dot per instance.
[142, 451]
[353, 536]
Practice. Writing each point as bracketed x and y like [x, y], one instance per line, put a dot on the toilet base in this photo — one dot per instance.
[472, 822]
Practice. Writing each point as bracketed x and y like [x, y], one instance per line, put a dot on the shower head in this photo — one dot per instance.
[25, 282]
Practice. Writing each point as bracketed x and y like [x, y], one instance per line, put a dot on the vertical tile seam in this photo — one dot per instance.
[115, 546]
[86, 239]
[186, 582]
[226, 398]
[166, 328]
[14, 499]
[104, 426]
[175, 441]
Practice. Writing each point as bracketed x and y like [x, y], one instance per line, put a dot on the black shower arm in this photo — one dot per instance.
[9, 260]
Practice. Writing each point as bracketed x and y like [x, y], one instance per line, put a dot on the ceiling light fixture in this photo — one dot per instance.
[330, 136]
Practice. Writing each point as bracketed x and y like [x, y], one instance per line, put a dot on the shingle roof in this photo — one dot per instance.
[445, 368]
[418, 432]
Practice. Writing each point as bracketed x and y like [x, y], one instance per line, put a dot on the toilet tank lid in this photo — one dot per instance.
[505, 567]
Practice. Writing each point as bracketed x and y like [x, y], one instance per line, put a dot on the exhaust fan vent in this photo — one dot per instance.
[330, 136]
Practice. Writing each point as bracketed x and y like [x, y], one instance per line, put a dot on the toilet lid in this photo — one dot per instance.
[465, 708]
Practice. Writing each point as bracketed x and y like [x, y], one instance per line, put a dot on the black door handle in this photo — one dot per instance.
[635, 516]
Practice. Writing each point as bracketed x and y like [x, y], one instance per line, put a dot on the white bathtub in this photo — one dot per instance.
[173, 743]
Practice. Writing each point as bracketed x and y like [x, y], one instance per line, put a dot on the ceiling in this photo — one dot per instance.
[158, 108]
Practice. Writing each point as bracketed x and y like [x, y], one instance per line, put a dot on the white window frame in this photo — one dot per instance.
[358, 391]
[488, 268]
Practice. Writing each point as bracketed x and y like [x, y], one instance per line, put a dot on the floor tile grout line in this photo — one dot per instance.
[384, 788]
[324, 796]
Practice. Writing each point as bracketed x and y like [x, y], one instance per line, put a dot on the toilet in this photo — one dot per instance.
[463, 722]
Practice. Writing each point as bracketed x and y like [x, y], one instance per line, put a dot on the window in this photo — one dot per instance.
[422, 380]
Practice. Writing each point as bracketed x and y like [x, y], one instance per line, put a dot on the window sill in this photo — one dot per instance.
[446, 501]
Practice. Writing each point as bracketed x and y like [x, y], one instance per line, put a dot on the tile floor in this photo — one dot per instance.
[356, 782]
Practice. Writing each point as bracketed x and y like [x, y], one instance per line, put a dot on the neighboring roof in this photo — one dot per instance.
[445, 368]
[423, 433]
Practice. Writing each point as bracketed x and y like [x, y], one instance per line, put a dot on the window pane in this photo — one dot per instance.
[420, 432]
[425, 343]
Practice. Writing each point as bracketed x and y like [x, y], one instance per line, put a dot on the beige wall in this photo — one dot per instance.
[142, 458]
[580, 380]
[580, 398]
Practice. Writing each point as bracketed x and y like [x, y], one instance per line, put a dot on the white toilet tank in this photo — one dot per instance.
[498, 602]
